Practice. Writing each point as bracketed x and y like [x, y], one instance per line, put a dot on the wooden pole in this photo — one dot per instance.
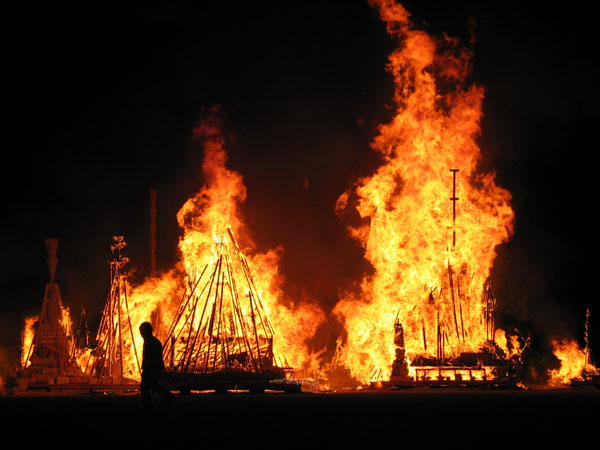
[450, 277]
[201, 325]
[190, 343]
[219, 342]
[424, 336]
[137, 359]
[182, 307]
[212, 319]
[187, 359]
[462, 325]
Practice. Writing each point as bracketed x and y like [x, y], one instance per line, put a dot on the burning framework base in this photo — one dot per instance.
[586, 380]
[254, 382]
[53, 383]
[443, 375]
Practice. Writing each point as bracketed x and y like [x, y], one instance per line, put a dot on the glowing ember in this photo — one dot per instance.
[430, 266]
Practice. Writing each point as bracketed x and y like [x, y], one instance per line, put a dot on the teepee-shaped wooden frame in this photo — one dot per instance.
[221, 325]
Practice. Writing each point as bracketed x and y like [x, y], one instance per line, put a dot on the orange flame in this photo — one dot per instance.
[573, 361]
[430, 266]
[27, 336]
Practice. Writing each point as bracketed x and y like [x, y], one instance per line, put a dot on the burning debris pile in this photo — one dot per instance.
[577, 366]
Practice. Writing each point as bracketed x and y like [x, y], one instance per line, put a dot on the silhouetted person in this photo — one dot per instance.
[152, 366]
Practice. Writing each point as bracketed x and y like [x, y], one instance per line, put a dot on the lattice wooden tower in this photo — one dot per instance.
[115, 337]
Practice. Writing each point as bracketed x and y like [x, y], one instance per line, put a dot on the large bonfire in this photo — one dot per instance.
[431, 264]
[212, 219]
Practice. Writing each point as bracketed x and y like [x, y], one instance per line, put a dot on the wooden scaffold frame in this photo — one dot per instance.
[115, 333]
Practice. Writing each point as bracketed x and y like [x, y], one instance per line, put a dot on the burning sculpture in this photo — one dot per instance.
[48, 346]
[428, 305]
[56, 359]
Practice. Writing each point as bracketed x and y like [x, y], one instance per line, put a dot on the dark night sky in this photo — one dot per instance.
[102, 102]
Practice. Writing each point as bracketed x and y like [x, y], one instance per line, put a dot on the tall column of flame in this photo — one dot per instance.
[409, 235]
[205, 219]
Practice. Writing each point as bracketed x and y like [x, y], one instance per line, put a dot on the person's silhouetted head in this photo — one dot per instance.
[146, 329]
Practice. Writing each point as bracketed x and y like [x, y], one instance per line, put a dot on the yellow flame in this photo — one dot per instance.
[573, 361]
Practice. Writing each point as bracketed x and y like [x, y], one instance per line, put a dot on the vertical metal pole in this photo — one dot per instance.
[152, 232]
[454, 199]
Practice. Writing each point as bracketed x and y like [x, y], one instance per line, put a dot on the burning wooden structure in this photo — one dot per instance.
[48, 360]
[487, 366]
[108, 362]
[221, 337]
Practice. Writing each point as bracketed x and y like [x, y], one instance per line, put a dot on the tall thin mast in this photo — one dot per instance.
[589, 360]
[152, 232]
[454, 199]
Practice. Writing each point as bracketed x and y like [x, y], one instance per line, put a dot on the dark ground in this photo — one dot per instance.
[373, 418]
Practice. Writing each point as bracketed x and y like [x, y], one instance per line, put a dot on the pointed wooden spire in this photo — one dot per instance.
[51, 247]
